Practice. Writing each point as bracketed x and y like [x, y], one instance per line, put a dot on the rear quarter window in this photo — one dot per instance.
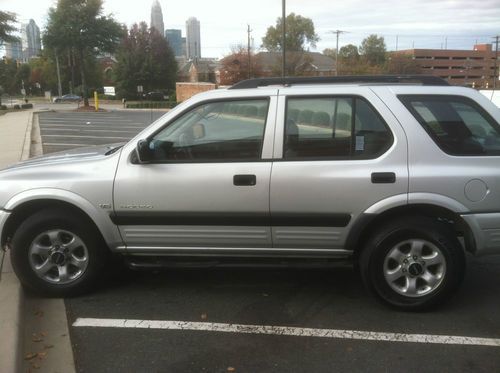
[457, 124]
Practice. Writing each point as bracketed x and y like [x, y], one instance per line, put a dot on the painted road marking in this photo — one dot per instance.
[286, 331]
[86, 130]
[89, 137]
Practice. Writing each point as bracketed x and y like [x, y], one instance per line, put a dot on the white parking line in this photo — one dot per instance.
[89, 137]
[87, 130]
[62, 126]
[64, 144]
[286, 331]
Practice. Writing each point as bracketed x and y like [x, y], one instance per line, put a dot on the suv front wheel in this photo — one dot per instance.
[413, 263]
[57, 253]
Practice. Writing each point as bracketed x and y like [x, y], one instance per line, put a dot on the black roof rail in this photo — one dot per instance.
[376, 79]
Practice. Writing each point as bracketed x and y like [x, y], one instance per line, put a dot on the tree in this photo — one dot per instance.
[401, 64]
[144, 58]
[80, 27]
[373, 49]
[330, 52]
[299, 34]
[235, 67]
[7, 28]
[349, 53]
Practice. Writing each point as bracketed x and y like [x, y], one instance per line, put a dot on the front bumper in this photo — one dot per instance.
[486, 231]
[4, 215]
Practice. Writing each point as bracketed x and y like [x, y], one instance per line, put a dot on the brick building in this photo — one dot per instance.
[460, 67]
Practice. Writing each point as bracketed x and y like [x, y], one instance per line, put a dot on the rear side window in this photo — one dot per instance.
[458, 125]
[333, 127]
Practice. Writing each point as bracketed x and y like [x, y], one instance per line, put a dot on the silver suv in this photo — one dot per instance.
[398, 174]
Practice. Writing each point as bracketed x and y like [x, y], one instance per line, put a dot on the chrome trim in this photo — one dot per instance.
[232, 251]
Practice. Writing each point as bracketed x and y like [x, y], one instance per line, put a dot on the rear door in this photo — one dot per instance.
[337, 153]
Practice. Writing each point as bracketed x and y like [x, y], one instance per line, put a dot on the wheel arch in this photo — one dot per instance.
[368, 223]
[21, 207]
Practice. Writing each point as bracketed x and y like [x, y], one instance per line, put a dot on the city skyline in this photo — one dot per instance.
[422, 24]
[157, 21]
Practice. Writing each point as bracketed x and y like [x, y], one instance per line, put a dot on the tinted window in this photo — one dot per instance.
[457, 124]
[334, 127]
[218, 131]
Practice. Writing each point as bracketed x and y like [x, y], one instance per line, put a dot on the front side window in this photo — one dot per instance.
[334, 127]
[458, 125]
[216, 131]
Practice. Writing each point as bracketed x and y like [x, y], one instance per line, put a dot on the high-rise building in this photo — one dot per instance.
[157, 17]
[14, 51]
[30, 40]
[193, 40]
[174, 38]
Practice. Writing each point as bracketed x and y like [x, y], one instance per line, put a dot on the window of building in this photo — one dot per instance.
[457, 124]
[334, 127]
[216, 131]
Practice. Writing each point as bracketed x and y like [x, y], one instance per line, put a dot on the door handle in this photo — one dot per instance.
[383, 177]
[244, 180]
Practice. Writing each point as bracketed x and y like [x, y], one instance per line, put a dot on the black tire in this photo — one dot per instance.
[393, 239]
[55, 219]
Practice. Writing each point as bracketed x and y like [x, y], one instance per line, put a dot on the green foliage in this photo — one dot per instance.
[373, 49]
[8, 73]
[349, 52]
[80, 28]
[330, 52]
[299, 34]
[144, 58]
[7, 28]
[401, 64]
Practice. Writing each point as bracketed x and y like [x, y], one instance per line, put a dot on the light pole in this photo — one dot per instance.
[283, 37]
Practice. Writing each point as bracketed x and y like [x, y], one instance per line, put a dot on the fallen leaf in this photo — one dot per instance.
[231, 369]
[48, 346]
[63, 335]
[265, 295]
[42, 355]
[39, 313]
[36, 366]
[44, 334]
[204, 316]
[29, 356]
[37, 339]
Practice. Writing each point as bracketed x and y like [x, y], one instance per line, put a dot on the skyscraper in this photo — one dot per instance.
[157, 17]
[14, 51]
[193, 41]
[174, 38]
[30, 40]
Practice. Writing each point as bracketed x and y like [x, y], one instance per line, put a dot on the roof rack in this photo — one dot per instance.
[287, 81]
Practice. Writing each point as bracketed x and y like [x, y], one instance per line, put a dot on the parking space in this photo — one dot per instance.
[256, 320]
[264, 320]
[67, 130]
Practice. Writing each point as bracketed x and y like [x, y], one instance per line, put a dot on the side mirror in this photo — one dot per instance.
[144, 153]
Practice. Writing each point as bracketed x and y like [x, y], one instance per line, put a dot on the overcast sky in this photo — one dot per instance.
[417, 23]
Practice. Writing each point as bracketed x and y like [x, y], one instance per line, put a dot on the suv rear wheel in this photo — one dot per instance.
[413, 263]
[57, 253]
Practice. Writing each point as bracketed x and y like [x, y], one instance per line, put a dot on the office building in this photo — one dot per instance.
[460, 67]
[30, 40]
[193, 40]
[14, 51]
[157, 17]
[174, 38]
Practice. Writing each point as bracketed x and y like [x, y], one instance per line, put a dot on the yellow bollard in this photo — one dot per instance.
[96, 101]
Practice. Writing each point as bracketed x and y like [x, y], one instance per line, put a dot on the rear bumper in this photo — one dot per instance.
[4, 215]
[486, 231]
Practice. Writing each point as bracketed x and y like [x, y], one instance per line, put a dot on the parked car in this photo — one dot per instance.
[399, 175]
[154, 96]
[67, 98]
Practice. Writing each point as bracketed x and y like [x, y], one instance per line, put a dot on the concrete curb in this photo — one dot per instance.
[12, 297]
[11, 312]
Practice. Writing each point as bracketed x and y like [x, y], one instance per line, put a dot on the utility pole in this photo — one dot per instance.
[58, 71]
[283, 38]
[495, 72]
[397, 39]
[248, 51]
[338, 32]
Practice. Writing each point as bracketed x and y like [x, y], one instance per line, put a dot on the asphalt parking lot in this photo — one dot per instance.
[264, 320]
[67, 130]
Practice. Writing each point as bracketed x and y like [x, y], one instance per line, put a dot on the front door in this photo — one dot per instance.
[206, 188]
